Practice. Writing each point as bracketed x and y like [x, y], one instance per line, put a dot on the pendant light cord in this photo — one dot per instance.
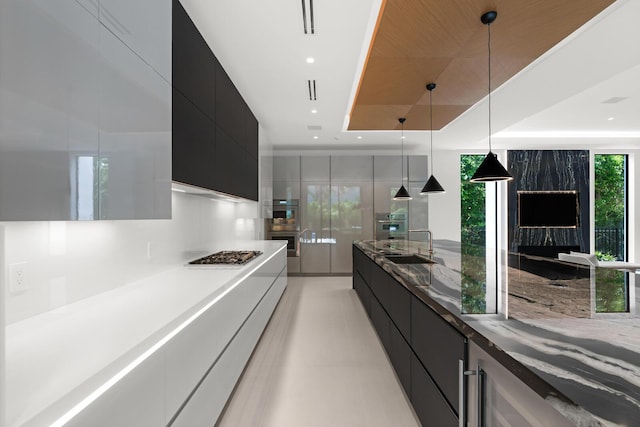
[431, 127]
[489, 43]
[402, 151]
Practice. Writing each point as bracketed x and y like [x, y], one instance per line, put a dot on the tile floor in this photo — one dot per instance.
[319, 363]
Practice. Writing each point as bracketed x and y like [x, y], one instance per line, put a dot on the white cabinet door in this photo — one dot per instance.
[388, 168]
[418, 169]
[135, 400]
[93, 6]
[351, 219]
[85, 124]
[144, 26]
[49, 104]
[286, 168]
[286, 190]
[352, 168]
[418, 208]
[315, 168]
[316, 241]
[207, 403]
[188, 356]
[135, 136]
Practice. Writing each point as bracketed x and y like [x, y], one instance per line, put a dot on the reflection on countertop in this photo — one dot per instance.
[591, 365]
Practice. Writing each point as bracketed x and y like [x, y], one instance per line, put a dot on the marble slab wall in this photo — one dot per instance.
[549, 170]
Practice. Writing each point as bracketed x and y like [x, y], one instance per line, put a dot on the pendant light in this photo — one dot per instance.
[402, 193]
[432, 185]
[490, 170]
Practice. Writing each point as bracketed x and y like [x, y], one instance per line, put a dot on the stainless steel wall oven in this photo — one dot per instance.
[285, 224]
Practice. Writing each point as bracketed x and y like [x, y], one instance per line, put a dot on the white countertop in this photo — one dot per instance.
[60, 357]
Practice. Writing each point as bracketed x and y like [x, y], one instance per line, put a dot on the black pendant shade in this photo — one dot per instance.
[490, 169]
[432, 186]
[402, 194]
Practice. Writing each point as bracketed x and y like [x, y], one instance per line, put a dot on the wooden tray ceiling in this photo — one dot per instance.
[443, 41]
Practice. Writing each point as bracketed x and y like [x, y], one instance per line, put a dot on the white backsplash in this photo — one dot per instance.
[70, 260]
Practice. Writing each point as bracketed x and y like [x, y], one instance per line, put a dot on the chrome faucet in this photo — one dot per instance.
[429, 236]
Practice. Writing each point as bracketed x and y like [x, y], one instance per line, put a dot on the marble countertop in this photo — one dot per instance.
[588, 369]
[55, 359]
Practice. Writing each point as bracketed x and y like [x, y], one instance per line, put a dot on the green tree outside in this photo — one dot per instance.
[610, 207]
[610, 190]
[473, 240]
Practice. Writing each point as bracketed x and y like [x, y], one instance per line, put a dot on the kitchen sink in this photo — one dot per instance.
[409, 259]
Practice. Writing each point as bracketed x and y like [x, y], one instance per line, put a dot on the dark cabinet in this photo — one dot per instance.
[439, 347]
[426, 399]
[362, 264]
[193, 132]
[227, 163]
[399, 353]
[216, 143]
[423, 348]
[226, 95]
[363, 291]
[251, 125]
[249, 179]
[379, 286]
[194, 66]
[380, 321]
[394, 298]
[399, 306]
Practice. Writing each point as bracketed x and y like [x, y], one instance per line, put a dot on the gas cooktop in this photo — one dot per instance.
[227, 257]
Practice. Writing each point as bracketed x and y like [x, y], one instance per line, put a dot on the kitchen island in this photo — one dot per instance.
[587, 370]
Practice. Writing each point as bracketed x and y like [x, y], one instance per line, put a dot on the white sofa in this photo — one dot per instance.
[591, 260]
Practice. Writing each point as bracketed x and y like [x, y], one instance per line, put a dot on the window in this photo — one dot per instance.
[611, 206]
[611, 230]
[473, 198]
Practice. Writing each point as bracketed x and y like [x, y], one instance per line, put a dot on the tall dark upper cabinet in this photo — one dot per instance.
[85, 110]
[215, 134]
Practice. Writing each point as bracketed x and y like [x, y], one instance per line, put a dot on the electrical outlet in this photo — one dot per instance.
[148, 250]
[18, 277]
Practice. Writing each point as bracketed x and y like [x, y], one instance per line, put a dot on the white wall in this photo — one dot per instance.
[68, 261]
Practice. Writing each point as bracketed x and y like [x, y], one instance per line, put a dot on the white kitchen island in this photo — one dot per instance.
[148, 353]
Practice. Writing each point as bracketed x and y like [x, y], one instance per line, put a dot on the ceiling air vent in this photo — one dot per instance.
[307, 17]
[314, 127]
[312, 90]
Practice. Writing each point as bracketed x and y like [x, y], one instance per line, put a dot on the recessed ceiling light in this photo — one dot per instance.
[314, 111]
[316, 137]
[310, 60]
[359, 137]
[611, 118]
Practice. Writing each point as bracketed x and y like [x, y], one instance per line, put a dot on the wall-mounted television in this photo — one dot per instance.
[553, 209]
